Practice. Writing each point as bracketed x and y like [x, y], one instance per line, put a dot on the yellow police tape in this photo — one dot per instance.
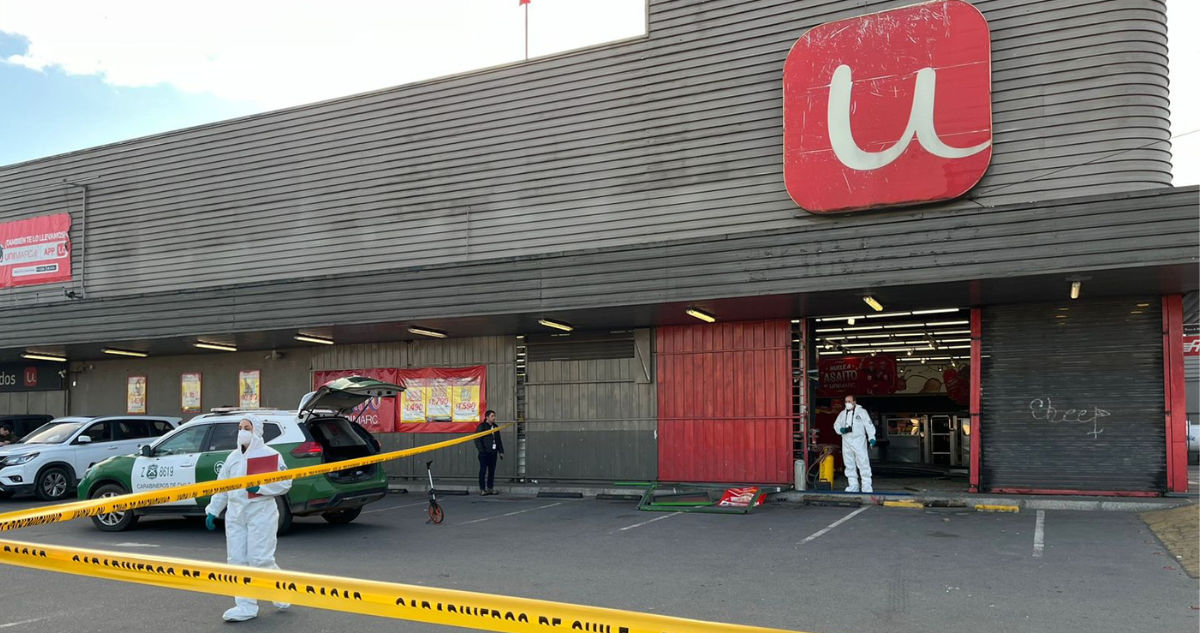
[390, 600]
[123, 503]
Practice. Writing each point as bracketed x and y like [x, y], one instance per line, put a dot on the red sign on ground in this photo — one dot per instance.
[35, 251]
[890, 108]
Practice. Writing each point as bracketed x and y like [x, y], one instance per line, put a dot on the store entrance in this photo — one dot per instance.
[910, 371]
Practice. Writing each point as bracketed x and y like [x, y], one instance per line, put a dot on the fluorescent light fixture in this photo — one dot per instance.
[830, 329]
[424, 331]
[904, 325]
[841, 318]
[703, 316]
[38, 356]
[124, 352]
[958, 347]
[1143, 305]
[873, 302]
[863, 328]
[937, 311]
[950, 333]
[945, 323]
[886, 315]
[566, 327]
[1076, 286]
[864, 336]
[215, 346]
[319, 340]
[906, 334]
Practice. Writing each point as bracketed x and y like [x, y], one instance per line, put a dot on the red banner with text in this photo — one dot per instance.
[35, 251]
[435, 400]
[858, 376]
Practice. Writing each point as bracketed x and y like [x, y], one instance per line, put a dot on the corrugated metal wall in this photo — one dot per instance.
[897, 248]
[1073, 396]
[674, 136]
[725, 402]
[593, 419]
[36, 402]
[98, 387]
[498, 353]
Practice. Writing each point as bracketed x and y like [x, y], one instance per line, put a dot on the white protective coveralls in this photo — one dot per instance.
[250, 524]
[854, 446]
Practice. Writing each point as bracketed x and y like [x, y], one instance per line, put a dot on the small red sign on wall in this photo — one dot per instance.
[890, 108]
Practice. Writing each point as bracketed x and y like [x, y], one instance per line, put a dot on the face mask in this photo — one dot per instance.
[849, 405]
[244, 438]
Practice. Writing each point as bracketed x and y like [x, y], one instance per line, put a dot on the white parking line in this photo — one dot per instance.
[501, 516]
[411, 505]
[23, 622]
[638, 525]
[1039, 535]
[134, 545]
[834, 524]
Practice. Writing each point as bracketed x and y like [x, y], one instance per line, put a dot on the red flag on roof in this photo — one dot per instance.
[523, 2]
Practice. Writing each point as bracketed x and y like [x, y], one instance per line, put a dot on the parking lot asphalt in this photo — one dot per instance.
[818, 569]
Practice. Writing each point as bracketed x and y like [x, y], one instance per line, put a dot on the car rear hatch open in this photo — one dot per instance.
[327, 413]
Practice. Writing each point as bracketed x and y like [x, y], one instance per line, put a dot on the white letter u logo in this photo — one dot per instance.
[920, 123]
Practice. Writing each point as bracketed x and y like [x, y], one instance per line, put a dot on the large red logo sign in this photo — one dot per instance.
[890, 108]
[31, 377]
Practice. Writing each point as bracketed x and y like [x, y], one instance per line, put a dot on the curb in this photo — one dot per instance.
[979, 504]
[823, 498]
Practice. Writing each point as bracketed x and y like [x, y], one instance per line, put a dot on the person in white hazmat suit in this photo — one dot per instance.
[854, 425]
[250, 521]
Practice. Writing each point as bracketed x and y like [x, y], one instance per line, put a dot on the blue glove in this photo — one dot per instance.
[252, 489]
[210, 522]
[844, 430]
[872, 443]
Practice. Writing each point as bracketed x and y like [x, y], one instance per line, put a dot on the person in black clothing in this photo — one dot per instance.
[490, 448]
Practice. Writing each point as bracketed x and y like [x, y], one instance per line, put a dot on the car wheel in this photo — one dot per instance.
[341, 517]
[112, 521]
[285, 516]
[53, 484]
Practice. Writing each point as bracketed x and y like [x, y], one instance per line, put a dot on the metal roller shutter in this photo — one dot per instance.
[1073, 397]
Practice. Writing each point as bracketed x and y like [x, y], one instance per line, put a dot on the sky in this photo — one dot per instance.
[81, 73]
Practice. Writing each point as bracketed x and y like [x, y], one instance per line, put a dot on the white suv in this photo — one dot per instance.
[50, 461]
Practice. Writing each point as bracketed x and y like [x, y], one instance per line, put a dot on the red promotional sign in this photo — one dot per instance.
[890, 108]
[958, 385]
[858, 376]
[377, 415]
[35, 251]
[1191, 346]
[434, 401]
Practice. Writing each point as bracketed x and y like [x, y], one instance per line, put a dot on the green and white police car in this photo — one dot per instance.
[319, 432]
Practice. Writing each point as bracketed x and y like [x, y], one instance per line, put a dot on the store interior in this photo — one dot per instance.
[910, 371]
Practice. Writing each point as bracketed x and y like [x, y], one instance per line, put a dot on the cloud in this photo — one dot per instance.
[278, 53]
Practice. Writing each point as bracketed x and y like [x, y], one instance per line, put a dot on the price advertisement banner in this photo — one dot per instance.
[135, 395]
[189, 393]
[858, 376]
[434, 400]
[250, 389]
[35, 251]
